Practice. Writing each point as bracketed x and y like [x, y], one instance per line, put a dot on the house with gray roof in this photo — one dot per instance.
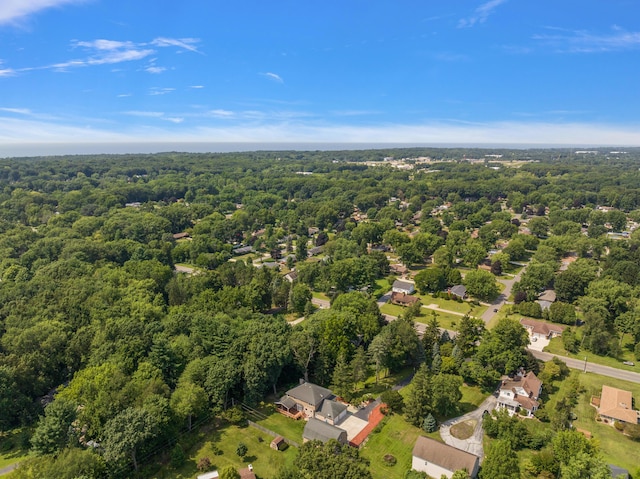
[405, 287]
[332, 412]
[306, 398]
[316, 430]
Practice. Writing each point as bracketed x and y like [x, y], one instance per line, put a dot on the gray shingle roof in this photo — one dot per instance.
[322, 431]
[310, 393]
[332, 409]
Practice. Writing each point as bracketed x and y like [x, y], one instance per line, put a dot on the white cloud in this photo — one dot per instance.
[274, 77]
[174, 119]
[7, 72]
[196, 86]
[184, 43]
[13, 10]
[160, 91]
[581, 41]
[221, 113]
[480, 14]
[155, 69]
[146, 114]
[20, 111]
[124, 95]
[102, 44]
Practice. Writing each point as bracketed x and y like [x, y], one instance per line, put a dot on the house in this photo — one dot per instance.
[398, 269]
[332, 412]
[520, 392]
[545, 298]
[616, 405]
[438, 459]
[458, 290]
[179, 236]
[405, 287]
[278, 443]
[316, 250]
[209, 475]
[316, 430]
[307, 398]
[291, 276]
[541, 330]
[402, 299]
[242, 250]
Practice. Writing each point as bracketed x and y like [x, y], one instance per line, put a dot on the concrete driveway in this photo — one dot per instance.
[474, 443]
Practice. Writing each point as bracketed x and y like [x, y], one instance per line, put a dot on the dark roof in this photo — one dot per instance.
[618, 472]
[447, 457]
[332, 409]
[310, 393]
[459, 290]
[287, 402]
[322, 431]
[399, 284]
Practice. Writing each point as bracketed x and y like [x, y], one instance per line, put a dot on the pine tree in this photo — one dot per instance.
[430, 424]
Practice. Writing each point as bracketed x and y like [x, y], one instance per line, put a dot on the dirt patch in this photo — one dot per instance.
[464, 429]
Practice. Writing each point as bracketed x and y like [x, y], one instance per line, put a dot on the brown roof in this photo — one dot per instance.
[403, 298]
[246, 473]
[530, 383]
[527, 403]
[540, 327]
[616, 403]
[447, 457]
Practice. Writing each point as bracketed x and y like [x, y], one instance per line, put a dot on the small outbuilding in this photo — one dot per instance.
[278, 443]
[438, 459]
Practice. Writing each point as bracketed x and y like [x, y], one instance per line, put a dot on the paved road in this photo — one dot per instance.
[502, 297]
[8, 469]
[474, 443]
[591, 367]
[321, 303]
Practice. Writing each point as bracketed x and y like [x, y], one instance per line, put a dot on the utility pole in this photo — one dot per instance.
[585, 364]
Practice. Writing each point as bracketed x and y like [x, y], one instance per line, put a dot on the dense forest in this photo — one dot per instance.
[140, 293]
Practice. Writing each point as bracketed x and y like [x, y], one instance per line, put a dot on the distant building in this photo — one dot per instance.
[306, 398]
[402, 299]
[438, 459]
[542, 330]
[405, 287]
[458, 290]
[616, 405]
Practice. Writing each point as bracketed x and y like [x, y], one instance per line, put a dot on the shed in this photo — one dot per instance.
[278, 443]
[438, 459]
[458, 290]
[209, 475]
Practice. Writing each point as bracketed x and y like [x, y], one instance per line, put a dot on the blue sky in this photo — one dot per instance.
[427, 71]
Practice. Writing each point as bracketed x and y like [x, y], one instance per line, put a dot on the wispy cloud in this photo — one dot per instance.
[154, 91]
[221, 113]
[196, 87]
[14, 10]
[582, 41]
[108, 52]
[273, 76]
[144, 114]
[184, 43]
[480, 14]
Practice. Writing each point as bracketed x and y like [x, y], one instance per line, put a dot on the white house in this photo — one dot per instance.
[438, 459]
[405, 287]
[521, 392]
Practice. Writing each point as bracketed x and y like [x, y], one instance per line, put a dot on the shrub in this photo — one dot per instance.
[390, 460]
[204, 464]
[177, 456]
[619, 426]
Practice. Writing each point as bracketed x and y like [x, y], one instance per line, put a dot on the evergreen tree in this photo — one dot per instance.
[430, 424]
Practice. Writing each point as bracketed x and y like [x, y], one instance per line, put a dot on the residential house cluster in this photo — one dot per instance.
[520, 393]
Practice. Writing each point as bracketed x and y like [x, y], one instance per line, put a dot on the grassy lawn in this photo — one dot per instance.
[382, 286]
[11, 450]
[464, 429]
[448, 304]
[219, 445]
[472, 397]
[397, 437]
[616, 448]
[556, 347]
[448, 321]
[319, 295]
[286, 427]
